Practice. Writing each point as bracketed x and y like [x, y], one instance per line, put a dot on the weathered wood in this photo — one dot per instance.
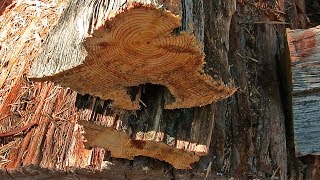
[184, 133]
[189, 129]
[122, 146]
[131, 44]
[250, 126]
[305, 67]
[177, 137]
[247, 141]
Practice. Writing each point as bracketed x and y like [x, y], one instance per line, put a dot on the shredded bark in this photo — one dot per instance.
[19, 130]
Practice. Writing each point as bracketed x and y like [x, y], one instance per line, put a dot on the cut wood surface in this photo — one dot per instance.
[136, 46]
[246, 133]
[304, 48]
[186, 134]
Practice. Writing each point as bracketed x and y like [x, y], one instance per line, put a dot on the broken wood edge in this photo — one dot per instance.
[302, 42]
[303, 49]
[180, 68]
[121, 145]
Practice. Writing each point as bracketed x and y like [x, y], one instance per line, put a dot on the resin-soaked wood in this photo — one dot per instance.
[304, 45]
[137, 47]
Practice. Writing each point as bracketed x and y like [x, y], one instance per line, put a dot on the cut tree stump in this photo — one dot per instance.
[304, 48]
[178, 137]
[131, 45]
[249, 131]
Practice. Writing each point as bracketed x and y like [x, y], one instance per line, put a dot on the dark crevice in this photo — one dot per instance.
[313, 11]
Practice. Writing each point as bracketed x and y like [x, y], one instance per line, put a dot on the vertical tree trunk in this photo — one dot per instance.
[251, 124]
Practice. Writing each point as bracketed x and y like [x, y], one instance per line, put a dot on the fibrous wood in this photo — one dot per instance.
[136, 46]
[304, 48]
[248, 129]
[150, 144]
[140, 35]
[186, 134]
[4, 4]
[166, 135]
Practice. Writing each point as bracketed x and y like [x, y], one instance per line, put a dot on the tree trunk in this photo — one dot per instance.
[126, 44]
[244, 136]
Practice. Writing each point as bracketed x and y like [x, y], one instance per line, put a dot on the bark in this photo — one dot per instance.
[245, 133]
[189, 130]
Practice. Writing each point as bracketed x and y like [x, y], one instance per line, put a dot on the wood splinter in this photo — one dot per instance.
[19, 130]
[136, 46]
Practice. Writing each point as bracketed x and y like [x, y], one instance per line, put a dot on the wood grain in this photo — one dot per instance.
[304, 48]
[248, 129]
[136, 46]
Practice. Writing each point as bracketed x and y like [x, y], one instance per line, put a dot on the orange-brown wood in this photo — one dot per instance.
[137, 46]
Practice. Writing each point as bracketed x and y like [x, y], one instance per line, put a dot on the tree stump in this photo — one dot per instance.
[128, 46]
[131, 54]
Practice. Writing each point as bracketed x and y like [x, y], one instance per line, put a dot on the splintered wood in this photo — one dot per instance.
[148, 133]
[34, 111]
[304, 48]
[137, 46]
[122, 146]
[44, 118]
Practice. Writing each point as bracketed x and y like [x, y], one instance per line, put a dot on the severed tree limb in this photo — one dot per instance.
[135, 45]
[112, 50]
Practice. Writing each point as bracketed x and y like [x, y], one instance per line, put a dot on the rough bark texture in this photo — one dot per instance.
[305, 54]
[188, 130]
[251, 123]
[247, 140]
